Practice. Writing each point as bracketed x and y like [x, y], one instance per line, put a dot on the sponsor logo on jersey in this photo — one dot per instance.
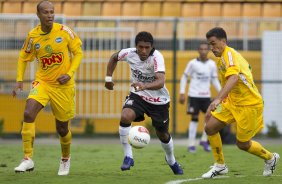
[51, 60]
[49, 49]
[37, 46]
[59, 39]
[142, 78]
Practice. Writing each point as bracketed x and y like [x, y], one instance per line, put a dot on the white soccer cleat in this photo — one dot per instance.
[269, 166]
[216, 169]
[26, 165]
[64, 168]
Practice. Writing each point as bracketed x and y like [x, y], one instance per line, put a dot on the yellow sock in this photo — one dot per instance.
[216, 145]
[65, 145]
[258, 150]
[28, 135]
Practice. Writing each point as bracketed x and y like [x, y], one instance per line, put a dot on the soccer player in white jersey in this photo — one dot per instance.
[148, 95]
[202, 71]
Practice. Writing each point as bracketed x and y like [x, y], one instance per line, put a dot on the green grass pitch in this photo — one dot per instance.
[100, 163]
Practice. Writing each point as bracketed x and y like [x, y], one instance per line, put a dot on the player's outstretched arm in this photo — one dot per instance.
[110, 70]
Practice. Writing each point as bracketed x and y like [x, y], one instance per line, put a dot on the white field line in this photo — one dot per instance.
[217, 177]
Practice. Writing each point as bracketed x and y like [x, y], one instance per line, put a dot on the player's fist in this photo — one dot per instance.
[63, 79]
[109, 85]
[19, 85]
[182, 99]
[138, 86]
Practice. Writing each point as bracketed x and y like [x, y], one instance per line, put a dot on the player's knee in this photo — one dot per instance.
[29, 116]
[243, 145]
[127, 118]
[62, 130]
[163, 136]
[209, 131]
[195, 118]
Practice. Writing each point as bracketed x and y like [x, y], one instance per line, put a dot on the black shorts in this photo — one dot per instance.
[158, 113]
[194, 105]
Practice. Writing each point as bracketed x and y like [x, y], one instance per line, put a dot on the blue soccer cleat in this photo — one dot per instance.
[127, 163]
[176, 168]
[205, 145]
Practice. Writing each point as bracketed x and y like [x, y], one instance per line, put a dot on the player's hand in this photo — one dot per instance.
[109, 85]
[19, 85]
[182, 99]
[212, 107]
[214, 104]
[138, 86]
[63, 79]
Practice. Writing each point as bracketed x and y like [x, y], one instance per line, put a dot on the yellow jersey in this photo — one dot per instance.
[53, 52]
[245, 91]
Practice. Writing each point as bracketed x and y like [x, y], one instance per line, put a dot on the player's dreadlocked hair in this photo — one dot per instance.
[144, 36]
[217, 32]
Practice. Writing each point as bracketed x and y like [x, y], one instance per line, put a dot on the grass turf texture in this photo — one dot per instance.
[101, 164]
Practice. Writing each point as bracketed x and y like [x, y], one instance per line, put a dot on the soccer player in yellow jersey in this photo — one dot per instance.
[58, 52]
[238, 101]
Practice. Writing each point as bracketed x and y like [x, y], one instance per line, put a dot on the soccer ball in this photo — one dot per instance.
[138, 137]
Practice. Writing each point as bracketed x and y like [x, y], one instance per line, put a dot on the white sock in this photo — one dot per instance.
[123, 136]
[169, 155]
[192, 133]
[204, 137]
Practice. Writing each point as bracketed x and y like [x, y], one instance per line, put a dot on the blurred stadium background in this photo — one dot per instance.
[105, 26]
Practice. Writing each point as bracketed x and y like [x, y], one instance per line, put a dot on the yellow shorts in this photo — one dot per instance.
[62, 100]
[249, 119]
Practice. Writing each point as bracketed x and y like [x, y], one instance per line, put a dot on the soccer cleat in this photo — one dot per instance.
[127, 163]
[64, 168]
[270, 165]
[205, 145]
[176, 168]
[215, 170]
[26, 165]
[192, 149]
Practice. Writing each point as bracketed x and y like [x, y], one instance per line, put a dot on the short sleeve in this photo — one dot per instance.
[124, 53]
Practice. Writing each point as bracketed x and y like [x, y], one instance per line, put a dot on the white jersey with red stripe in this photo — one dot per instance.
[144, 71]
